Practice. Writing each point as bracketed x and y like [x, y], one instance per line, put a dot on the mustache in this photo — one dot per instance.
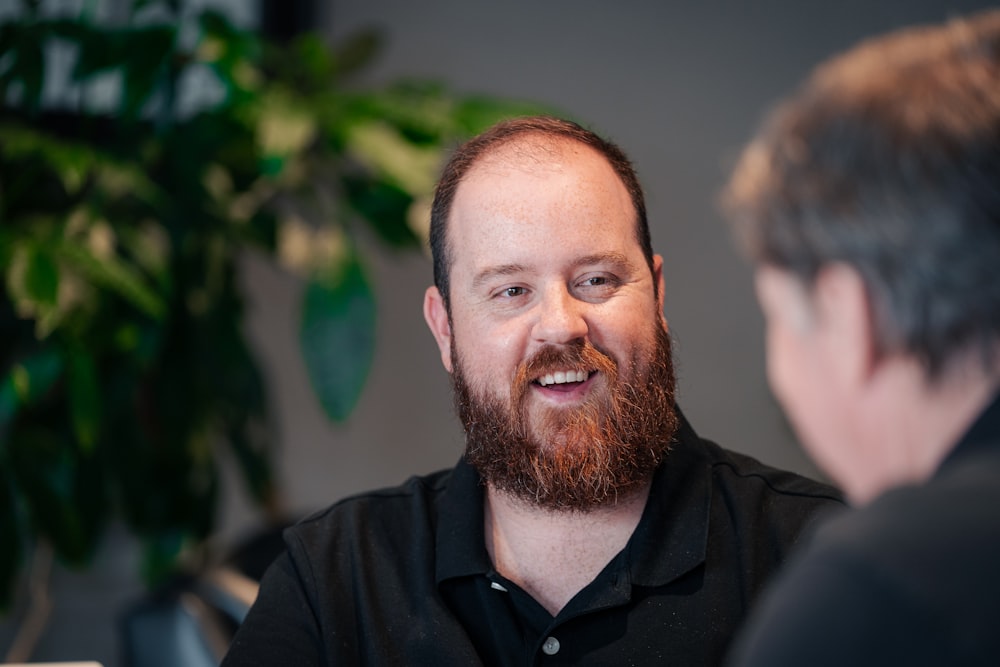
[580, 356]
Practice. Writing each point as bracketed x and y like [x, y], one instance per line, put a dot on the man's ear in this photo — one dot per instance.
[847, 314]
[436, 316]
[658, 284]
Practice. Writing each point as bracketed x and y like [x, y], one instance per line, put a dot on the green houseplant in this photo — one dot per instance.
[179, 144]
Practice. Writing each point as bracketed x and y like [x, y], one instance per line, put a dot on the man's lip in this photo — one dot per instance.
[566, 389]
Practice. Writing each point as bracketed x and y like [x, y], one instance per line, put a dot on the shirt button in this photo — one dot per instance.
[551, 646]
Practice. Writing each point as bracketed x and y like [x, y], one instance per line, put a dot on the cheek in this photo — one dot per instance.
[625, 331]
[779, 362]
[791, 378]
[488, 351]
[808, 399]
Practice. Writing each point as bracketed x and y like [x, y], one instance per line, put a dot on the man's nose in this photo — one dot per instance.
[560, 317]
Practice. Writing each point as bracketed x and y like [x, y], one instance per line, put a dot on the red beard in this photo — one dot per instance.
[579, 458]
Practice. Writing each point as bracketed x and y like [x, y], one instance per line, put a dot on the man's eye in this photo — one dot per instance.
[599, 281]
[512, 291]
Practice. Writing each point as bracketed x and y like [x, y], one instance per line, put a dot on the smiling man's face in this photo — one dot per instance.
[556, 340]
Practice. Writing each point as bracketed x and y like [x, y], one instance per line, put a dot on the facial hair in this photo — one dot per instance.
[578, 458]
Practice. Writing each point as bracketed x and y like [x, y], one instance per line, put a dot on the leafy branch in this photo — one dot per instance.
[123, 215]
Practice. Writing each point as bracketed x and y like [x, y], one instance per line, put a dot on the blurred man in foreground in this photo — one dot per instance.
[870, 206]
[587, 522]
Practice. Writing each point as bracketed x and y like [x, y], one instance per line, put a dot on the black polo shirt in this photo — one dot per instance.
[402, 577]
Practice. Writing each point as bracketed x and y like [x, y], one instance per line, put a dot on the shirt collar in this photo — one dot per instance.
[670, 540]
[460, 540]
[672, 536]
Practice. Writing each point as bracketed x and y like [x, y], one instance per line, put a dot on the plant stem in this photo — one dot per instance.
[36, 618]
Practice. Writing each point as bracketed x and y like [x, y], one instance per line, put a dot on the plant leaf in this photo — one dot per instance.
[312, 59]
[384, 206]
[26, 382]
[337, 338]
[64, 491]
[29, 67]
[112, 273]
[84, 393]
[359, 49]
[33, 276]
[149, 50]
[98, 51]
[284, 128]
[73, 161]
[386, 151]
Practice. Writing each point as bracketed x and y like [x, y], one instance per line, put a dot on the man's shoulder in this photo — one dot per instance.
[731, 468]
[764, 508]
[412, 505]
[762, 500]
[773, 508]
[741, 476]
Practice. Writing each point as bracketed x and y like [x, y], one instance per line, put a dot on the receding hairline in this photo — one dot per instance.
[535, 149]
[547, 152]
[541, 138]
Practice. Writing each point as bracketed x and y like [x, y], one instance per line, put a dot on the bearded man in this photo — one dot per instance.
[587, 523]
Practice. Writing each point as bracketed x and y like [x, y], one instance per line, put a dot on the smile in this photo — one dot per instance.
[562, 377]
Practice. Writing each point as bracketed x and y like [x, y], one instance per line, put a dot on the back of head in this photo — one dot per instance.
[503, 135]
[888, 160]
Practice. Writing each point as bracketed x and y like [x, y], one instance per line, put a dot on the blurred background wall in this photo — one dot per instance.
[680, 86]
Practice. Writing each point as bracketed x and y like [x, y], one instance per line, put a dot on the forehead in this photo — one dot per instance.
[541, 156]
[535, 191]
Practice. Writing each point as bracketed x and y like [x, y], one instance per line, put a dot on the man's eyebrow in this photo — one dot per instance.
[617, 260]
[492, 272]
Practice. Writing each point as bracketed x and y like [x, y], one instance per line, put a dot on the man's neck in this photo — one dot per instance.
[553, 555]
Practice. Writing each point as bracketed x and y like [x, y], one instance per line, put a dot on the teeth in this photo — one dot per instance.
[562, 377]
